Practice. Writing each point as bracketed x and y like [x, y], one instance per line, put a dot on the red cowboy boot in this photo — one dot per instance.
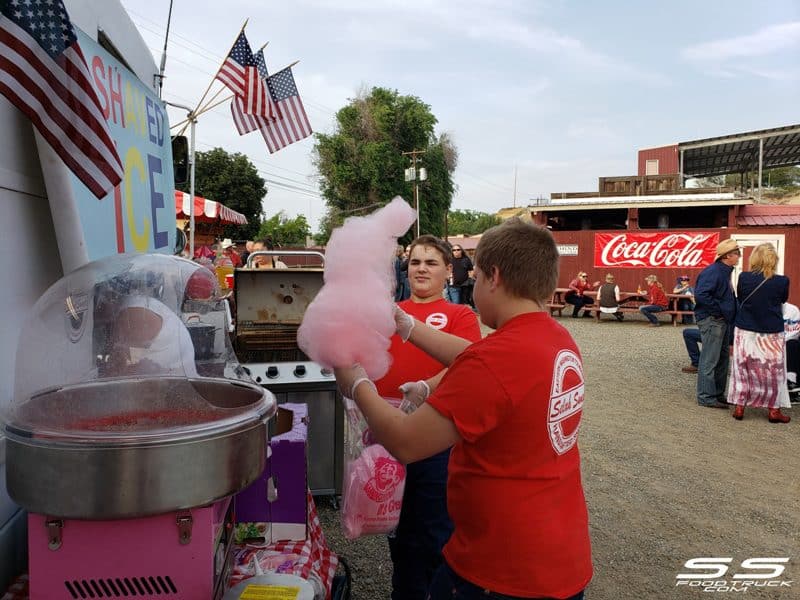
[776, 416]
[738, 412]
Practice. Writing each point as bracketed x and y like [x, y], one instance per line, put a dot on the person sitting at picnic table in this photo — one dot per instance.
[608, 298]
[682, 286]
[657, 300]
[577, 294]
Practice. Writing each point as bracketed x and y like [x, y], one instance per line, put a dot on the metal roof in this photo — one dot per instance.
[738, 153]
[659, 201]
[760, 215]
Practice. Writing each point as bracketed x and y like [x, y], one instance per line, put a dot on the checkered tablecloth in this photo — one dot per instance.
[315, 560]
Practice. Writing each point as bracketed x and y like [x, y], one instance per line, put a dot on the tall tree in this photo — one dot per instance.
[285, 231]
[362, 165]
[234, 181]
[470, 222]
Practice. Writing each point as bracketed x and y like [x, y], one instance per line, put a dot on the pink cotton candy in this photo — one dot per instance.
[372, 493]
[351, 320]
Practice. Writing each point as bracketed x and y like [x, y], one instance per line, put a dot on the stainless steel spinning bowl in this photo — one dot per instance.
[134, 447]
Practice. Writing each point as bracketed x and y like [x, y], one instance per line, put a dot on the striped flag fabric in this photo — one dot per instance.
[247, 123]
[239, 73]
[43, 73]
[292, 124]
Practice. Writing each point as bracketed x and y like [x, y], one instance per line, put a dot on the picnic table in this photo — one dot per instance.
[628, 302]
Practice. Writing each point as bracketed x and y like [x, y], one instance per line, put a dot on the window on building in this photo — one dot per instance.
[651, 167]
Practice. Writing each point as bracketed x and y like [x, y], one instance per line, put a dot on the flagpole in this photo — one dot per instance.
[209, 107]
[227, 54]
[288, 66]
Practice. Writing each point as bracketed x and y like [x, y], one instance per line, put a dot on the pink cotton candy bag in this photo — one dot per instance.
[374, 481]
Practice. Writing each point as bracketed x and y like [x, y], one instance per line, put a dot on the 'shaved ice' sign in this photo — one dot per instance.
[655, 250]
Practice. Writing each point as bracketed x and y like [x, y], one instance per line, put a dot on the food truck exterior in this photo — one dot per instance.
[50, 223]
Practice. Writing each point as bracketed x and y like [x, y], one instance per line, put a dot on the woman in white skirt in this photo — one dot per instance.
[758, 372]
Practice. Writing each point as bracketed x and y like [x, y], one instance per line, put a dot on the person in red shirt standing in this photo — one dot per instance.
[657, 300]
[510, 405]
[416, 545]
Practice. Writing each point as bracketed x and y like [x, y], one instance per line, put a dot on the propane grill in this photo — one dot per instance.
[270, 304]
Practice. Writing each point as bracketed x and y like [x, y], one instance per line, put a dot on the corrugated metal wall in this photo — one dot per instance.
[667, 157]
[629, 279]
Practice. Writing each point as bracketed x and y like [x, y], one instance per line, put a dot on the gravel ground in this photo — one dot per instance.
[665, 479]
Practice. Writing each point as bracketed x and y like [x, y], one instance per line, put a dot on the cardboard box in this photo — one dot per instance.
[274, 507]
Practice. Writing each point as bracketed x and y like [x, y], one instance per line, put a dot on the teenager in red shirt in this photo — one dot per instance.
[510, 405]
[657, 300]
[416, 545]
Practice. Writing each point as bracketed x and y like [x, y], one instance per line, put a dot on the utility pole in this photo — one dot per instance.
[411, 175]
[515, 186]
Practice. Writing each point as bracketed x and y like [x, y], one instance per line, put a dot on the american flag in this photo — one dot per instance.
[240, 74]
[44, 74]
[292, 123]
[246, 123]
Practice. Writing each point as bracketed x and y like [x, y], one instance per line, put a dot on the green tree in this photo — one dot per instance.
[285, 231]
[234, 181]
[779, 177]
[362, 164]
[469, 222]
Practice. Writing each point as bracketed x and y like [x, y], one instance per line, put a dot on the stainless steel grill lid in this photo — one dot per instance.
[128, 397]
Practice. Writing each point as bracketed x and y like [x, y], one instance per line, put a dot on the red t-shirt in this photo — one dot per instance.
[514, 490]
[409, 363]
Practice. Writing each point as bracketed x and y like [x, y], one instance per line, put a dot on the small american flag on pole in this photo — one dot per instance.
[44, 74]
[240, 75]
[292, 123]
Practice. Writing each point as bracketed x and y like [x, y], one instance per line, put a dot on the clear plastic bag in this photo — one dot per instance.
[374, 481]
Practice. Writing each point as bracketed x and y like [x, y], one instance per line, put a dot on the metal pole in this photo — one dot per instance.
[760, 165]
[192, 118]
[191, 189]
[416, 201]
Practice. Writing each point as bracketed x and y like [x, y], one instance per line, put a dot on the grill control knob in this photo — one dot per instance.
[300, 371]
[272, 372]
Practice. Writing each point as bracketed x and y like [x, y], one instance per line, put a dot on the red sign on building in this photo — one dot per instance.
[628, 250]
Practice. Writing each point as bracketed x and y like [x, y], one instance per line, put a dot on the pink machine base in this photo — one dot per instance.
[141, 558]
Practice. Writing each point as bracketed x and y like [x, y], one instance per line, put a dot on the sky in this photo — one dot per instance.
[538, 96]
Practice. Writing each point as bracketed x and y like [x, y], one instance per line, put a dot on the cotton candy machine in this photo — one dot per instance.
[127, 433]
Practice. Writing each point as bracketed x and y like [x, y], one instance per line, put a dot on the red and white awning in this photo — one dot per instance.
[206, 211]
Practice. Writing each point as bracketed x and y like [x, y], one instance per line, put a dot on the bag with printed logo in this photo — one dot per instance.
[374, 481]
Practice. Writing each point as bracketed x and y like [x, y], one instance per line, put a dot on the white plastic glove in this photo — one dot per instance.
[403, 323]
[415, 392]
[348, 379]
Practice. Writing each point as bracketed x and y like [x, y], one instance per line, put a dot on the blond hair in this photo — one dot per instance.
[525, 256]
[764, 260]
[651, 279]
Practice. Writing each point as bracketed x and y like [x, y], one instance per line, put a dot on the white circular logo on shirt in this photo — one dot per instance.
[436, 320]
[566, 403]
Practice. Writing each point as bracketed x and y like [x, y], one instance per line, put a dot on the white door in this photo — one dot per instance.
[749, 241]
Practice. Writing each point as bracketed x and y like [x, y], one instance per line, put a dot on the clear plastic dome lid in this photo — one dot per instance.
[119, 329]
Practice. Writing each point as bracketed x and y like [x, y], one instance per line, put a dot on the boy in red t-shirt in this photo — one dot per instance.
[424, 527]
[510, 405]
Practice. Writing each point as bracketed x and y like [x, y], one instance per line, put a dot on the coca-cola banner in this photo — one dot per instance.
[628, 250]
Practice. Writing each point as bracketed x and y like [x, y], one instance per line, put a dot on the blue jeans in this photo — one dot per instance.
[453, 294]
[648, 309]
[686, 304]
[691, 339]
[424, 528]
[577, 301]
[712, 370]
[448, 585]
